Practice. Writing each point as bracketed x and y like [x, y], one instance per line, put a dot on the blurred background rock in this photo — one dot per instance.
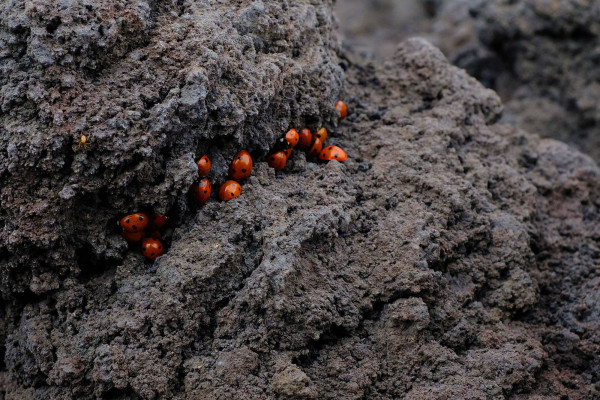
[540, 56]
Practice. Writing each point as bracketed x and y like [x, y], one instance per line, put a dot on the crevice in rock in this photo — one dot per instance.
[329, 337]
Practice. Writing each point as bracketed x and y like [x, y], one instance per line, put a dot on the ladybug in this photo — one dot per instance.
[132, 237]
[134, 222]
[157, 221]
[342, 108]
[322, 134]
[316, 147]
[229, 190]
[333, 153]
[241, 166]
[152, 248]
[292, 137]
[288, 152]
[277, 160]
[305, 139]
[201, 191]
[203, 166]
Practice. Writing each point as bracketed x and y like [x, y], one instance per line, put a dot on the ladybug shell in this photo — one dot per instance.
[201, 191]
[241, 166]
[288, 152]
[157, 221]
[134, 222]
[277, 160]
[322, 134]
[305, 139]
[292, 137]
[203, 166]
[316, 147]
[342, 108]
[230, 190]
[132, 237]
[333, 153]
[152, 248]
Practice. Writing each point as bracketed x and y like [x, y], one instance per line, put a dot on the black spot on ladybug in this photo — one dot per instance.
[134, 227]
[140, 217]
[243, 169]
[159, 247]
[240, 158]
[207, 190]
[152, 254]
[127, 220]
[233, 194]
[336, 156]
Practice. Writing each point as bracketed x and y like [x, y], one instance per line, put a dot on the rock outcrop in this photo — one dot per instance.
[451, 256]
[150, 85]
[540, 56]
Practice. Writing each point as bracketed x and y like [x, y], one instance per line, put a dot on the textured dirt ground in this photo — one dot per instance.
[540, 56]
[451, 257]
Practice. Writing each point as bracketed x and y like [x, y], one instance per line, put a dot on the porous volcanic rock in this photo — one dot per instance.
[450, 257]
[153, 86]
[540, 56]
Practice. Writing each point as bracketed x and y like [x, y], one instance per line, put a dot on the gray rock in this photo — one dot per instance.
[451, 256]
[540, 56]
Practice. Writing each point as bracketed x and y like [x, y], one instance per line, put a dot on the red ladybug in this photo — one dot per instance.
[229, 190]
[132, 237]
[316, 147]
[333, 153]
[292, 137]
[241, 166]
[322, 134]
[342, 108]
[201, 191]
[152, 248]
[203, 166]
[305, 139]
[134, 222]
[157, 221]
[277, 160]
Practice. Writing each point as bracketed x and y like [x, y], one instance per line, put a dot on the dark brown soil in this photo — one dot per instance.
[451, 256]
[540, 56]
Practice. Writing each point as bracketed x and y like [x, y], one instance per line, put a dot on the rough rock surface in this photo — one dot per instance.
[151, 85]
[540, 56]
[450, 257]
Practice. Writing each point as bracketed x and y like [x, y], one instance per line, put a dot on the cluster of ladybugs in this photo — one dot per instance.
[138, 227]
[241, 166]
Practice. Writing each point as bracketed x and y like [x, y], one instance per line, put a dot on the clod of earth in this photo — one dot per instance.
[450, 257]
